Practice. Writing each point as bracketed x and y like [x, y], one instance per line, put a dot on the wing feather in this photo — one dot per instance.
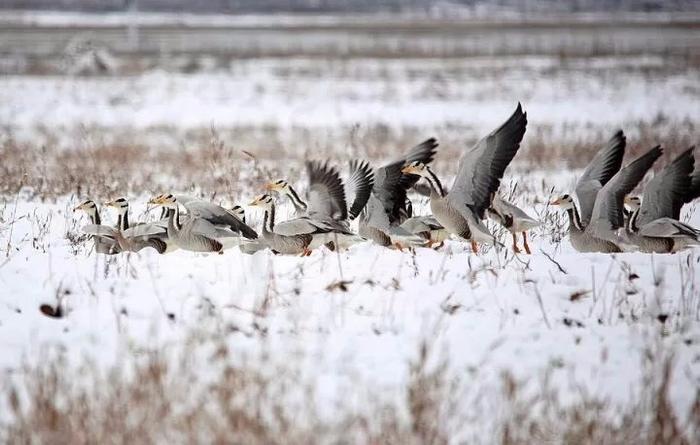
[481, 167]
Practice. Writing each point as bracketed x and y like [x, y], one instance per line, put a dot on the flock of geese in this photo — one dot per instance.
[378, 199]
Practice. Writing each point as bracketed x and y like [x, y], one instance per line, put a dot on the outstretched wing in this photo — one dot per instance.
[219, 216]
[607, 211]
[599, 171]
[663, 196]
[481, 167]
[326, 195]
[391, 185]
[358, 187]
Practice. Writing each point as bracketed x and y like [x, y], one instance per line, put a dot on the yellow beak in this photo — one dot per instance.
[556, 202]
[409, 170]
[273, 186]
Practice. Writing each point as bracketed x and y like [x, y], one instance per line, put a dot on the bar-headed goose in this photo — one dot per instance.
[607, 220]
[280, 243]
[598, 172]
[386, 208]
[103, 243]
[462, 210]
[514, 219]
[653, 224]
[206, 227]
[326, 214]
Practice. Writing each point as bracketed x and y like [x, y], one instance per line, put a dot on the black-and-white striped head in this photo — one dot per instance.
[238, 212]
[121, 204]
[88, 207]
[264, 201]
[633, 202]
[415, 168]
[165, 200]
[564, 201]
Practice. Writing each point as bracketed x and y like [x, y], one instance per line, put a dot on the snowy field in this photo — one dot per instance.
[368, 345]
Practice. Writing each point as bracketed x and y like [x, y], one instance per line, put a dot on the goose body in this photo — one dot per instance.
[381, 220]
[277, 242]
[326, 214]
[206, 227]
[599, 171]
[514, 219]
[104, 243]
[461, 210]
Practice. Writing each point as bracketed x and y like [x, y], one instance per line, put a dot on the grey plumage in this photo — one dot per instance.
[598, 172]
[607, 217]
[386, 207]
[480, 170]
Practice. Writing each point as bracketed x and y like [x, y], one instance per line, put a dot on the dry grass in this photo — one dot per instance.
[202, 392]
[223, 162]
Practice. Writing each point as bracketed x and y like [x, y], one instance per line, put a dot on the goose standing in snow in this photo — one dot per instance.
[462, 210]
[514, 219]
[142, 231]
[381, 220]
[604, 165]
[653, 225]
[103, 244]
[326, 214]
[280, 243]
[206, 227]
[607, 220]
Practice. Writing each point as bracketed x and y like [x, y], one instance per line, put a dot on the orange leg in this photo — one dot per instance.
[527, 248]
[516, 249]
[399, 246]
[475, 248]
[306, 252]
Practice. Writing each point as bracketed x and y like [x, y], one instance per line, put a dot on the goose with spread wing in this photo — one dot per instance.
[381, 220]
[143, 231]
[653, 225]
[462, 210]
[103, 243]
[604, 165]
[207, 226]
[607, 219]
[326, 214]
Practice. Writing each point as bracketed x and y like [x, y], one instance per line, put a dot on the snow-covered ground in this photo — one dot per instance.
[591, 316]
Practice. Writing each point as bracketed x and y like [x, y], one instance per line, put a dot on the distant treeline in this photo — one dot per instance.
[354, 6]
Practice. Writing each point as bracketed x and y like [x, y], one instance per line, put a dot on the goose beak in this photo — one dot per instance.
[75, 209]
[410, 170]
[271, 186]
[555, 202]
[155, 201]
[109, 204]
[254, 203]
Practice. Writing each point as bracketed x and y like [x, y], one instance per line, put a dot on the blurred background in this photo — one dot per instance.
[291, 78]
